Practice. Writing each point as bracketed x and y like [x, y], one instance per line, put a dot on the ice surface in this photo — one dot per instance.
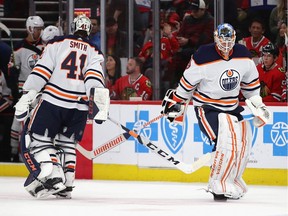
[127, 198]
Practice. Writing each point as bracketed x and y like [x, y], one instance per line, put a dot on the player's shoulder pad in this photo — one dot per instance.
[206, 53]
[240, 51]
[57, 39]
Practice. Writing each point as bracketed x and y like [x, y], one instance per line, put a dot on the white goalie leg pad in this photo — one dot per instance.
[51, 176]
[223, 170]
[102, 100]
[243, 155]
[68, 157]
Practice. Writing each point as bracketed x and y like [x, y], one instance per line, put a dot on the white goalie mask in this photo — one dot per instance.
[81, 23]
[49, 33]
[34, 22]
[224, 37]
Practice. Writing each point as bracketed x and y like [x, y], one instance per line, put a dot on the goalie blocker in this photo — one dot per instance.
[99, 103]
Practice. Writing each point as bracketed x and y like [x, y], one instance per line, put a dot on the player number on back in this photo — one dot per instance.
[70, 64]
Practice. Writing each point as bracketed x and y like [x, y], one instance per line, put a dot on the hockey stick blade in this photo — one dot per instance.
[104, 147]
[4, 28]
[186, 168]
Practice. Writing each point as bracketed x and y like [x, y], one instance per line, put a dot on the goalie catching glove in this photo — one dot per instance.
[259, 110]
[173, 106]
[24, 105]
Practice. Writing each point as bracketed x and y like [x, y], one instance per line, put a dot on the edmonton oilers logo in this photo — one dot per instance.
[229, 80]
[174, 134]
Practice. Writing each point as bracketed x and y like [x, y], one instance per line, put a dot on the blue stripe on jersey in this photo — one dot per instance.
[207, 53]
[94, 78]
[40, 75]
[43, 66]
[66, 91]
[61, 98]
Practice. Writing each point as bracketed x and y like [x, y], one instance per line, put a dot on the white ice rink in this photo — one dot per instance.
[119, 198]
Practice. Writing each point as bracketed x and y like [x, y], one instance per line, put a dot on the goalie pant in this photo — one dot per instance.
[232, 138]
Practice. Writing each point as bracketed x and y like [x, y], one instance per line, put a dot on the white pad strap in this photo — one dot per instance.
[102, 100]
[223, 170]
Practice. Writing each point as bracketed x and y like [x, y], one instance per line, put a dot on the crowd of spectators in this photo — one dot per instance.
[185, 25]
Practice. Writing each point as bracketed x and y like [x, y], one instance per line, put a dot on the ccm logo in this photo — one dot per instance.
[29, 161]
[162, 153]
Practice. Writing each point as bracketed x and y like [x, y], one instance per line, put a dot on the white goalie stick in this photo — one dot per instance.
[8, 32]
[186, 168]
[113, 142]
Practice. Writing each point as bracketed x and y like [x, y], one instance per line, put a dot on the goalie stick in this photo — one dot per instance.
[8, 32]
[113, 142]
[186, 168]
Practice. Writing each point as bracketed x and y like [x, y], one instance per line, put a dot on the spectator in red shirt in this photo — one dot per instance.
[257, 40]
[271, 75]
[169, 46]
[134, 84]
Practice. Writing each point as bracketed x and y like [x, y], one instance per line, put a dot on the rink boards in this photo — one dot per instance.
[131, 161]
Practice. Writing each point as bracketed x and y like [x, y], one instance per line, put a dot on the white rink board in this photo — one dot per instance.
[270, 143]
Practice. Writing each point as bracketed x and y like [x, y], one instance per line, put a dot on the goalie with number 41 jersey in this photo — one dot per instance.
[214, 77]
[67, 71]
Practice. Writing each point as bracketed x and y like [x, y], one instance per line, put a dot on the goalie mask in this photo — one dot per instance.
[34, 22]
[49, 33]
[224, 37]
[81, 23]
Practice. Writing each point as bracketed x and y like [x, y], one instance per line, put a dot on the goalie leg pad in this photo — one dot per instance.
[99, 103]
[68, 157]
[223, 171]
[51, 177]
[243, 155]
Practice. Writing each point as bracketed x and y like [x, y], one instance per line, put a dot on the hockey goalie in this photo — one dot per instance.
[214, 78]
[68, 69]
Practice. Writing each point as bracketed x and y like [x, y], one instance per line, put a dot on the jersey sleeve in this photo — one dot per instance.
[190, 79]
[94, 76]
[250, 84]
[43, 70]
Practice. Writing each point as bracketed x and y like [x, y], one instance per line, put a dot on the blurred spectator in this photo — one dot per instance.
[257, 40]
[144, 8]
[168, 47]
[94, 36]
[277, 16]
[271, 75]
[282, 44]
[6, 106]
[26, 54]
[134, 84]
[116, 40]
[5, 54]
[196, 29]
[260, 9]
[118, 9]
[113, 70]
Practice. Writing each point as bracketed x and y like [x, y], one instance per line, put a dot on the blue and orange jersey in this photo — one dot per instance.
[212, 80]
